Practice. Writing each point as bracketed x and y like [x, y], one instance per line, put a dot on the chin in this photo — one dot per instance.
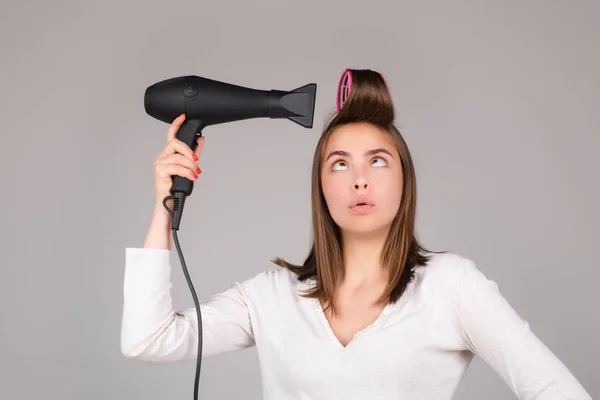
[365, 226]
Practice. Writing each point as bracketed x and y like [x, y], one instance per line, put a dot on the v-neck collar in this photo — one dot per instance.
[327, 329]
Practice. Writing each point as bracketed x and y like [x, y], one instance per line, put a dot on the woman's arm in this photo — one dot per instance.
[493, 330]
[153, 331]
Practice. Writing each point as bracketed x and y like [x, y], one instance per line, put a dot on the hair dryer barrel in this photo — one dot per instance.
[213, 102]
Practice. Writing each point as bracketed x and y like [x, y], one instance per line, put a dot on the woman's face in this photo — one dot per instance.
[361, 164]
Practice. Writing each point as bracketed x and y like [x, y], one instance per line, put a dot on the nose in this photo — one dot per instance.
[361, 183]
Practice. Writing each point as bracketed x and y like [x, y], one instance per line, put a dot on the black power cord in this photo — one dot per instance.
[178, 203]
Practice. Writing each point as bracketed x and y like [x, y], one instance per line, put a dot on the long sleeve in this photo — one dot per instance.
[153, 331]
[493, 330]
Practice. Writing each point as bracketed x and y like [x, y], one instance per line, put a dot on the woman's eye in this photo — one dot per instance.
[381, 159]
[342, 163]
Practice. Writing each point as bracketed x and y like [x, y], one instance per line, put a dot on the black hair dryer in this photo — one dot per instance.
[209, 102]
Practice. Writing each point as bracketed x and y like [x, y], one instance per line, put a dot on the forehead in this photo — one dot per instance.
[359, 137]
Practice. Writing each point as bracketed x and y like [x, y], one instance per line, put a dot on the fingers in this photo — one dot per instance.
[168, 170]
[177, 158]
[181, 160]
[200, 141]
[177, 146]
[176, 164]
[174, 127]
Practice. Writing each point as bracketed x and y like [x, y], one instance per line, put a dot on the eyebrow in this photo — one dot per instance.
[367, 153]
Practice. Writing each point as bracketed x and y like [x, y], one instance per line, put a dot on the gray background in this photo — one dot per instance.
[498, 103]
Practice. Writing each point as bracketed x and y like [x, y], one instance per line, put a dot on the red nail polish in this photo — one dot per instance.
[195, 157]
[195, 176]
[198, 170]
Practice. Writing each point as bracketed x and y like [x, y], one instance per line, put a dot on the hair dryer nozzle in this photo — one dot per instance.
[297, 105]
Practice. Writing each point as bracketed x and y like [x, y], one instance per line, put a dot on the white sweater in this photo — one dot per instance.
[419, 348]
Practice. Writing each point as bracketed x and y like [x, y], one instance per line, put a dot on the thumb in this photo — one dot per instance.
[200, 142]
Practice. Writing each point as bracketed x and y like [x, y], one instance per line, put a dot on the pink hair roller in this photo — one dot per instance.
[343, 89]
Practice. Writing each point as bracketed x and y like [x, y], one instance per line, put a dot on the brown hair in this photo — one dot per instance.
[369, 101]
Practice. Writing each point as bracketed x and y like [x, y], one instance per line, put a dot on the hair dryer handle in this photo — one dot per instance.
[188, 133]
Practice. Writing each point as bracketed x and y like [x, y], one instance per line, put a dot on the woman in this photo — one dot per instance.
[370, 314]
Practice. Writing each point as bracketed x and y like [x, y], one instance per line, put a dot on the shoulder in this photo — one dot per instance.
[446, 267]
[272, 291]
[270, 282]
[447, 274]
[273, 276]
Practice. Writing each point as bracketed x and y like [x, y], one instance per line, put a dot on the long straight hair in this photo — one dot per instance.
[369, 101]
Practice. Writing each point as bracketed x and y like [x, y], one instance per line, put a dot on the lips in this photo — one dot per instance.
[361, 201]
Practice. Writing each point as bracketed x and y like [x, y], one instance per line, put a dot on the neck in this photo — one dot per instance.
[362, 259]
